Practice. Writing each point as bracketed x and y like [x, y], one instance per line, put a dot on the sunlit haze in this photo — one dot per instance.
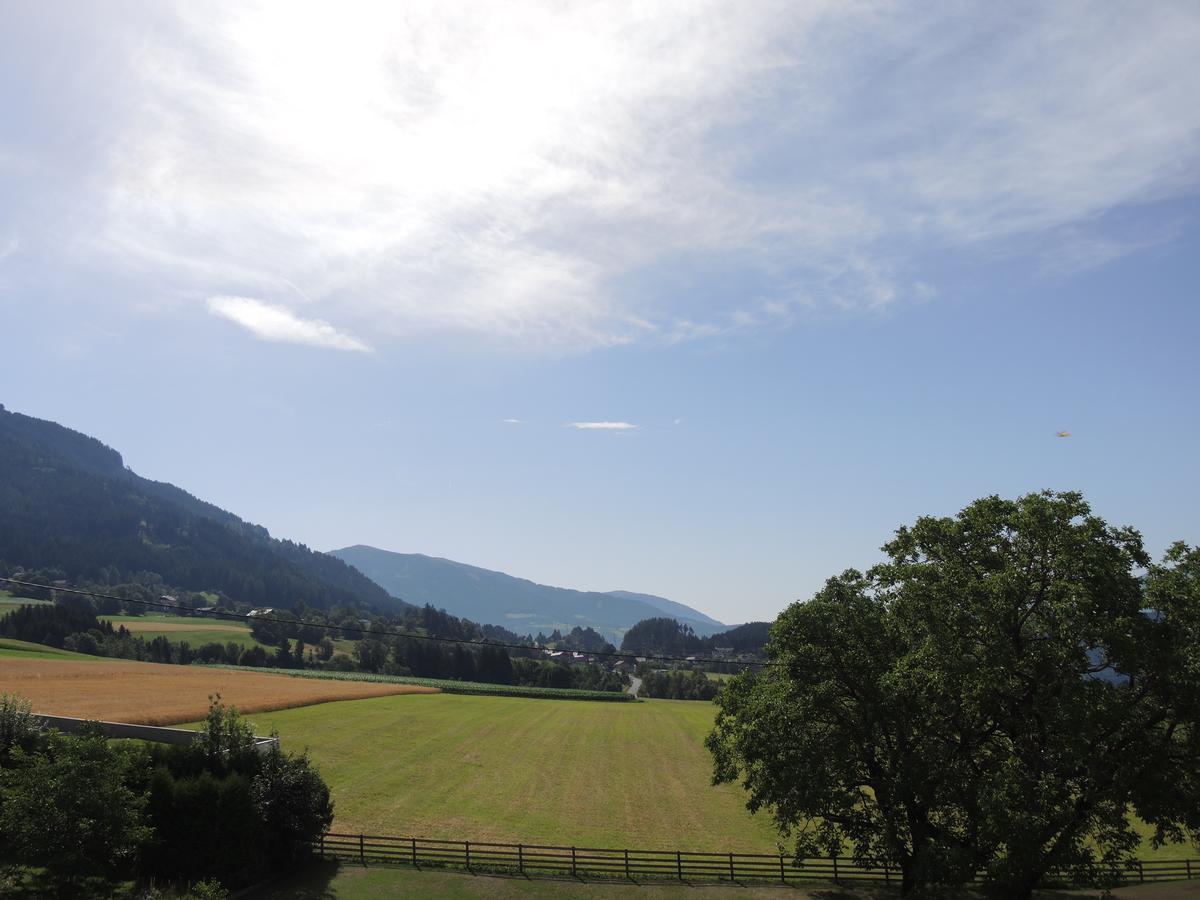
[694, 299]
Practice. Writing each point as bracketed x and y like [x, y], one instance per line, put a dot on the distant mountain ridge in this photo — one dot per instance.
[68, 501]
[516, 603]
[670, 607]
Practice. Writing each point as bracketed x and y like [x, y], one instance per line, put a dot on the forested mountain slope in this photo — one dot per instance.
[68, 501]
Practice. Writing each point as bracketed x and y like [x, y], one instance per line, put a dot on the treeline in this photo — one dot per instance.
[72, 624]
[666, 636]
[68, 500]
[678, 684]
[584, 640]
[79, 809]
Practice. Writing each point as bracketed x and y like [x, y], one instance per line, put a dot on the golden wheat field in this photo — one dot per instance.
[156, 694]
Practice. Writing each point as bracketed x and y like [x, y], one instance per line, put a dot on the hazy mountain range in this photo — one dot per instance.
[68, 501]
[516, 603]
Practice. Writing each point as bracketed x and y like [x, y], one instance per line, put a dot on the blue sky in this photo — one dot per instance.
[359, 272]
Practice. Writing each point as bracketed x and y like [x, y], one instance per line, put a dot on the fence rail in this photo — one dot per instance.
[680, 865]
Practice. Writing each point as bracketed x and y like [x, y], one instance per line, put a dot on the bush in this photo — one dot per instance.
[67, 809]
[18, 726]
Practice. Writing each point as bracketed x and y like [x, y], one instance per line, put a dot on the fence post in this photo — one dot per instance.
[321, 851]
[1141, 873]
[782, 877]
[1189, 868]
[732, 877]
[414, 851]
[362, 856]
[467, 847]
[835, 872]
[521, 858]
[627, 875]
[887, 878]
[573, 862]
[679, 864]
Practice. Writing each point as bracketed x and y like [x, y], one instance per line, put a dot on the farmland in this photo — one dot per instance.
[450, 686]
[512, 769]
[196, 630]
[9, 603]
[153, 694]
[504, 768]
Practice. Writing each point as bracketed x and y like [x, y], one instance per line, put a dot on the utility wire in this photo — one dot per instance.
[485, 642]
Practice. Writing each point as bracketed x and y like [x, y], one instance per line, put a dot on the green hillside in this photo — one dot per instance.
[69, 502]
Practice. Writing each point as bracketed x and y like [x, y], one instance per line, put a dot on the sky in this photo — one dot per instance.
[687, 298]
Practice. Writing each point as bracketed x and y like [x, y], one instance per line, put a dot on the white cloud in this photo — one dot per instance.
[604, 426]
[511, 421]
[276, 323]
[574, 175]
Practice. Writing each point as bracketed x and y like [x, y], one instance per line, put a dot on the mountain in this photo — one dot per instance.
[670, 607]
[516, 603]
[67, 501]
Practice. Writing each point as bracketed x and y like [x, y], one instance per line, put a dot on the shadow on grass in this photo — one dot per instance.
[311, 882]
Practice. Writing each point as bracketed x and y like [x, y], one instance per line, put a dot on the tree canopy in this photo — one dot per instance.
[998, 695]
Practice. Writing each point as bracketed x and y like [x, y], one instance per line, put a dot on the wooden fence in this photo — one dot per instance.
[634, 865]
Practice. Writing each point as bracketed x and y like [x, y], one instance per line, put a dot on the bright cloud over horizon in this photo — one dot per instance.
[583, 175]
[276, 323]
[604, 426]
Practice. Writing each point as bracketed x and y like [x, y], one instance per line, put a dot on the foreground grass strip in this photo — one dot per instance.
[448, 686]
[158, 694]
[324, 879]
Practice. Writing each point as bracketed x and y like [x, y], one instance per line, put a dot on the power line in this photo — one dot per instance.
[246, 617]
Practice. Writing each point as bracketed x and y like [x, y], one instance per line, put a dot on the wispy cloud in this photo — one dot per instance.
[511, 421]
[276, 323]
[574, 175]
[604, 426]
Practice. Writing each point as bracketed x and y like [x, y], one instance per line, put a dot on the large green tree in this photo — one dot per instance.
[67, 808]
[999, 694]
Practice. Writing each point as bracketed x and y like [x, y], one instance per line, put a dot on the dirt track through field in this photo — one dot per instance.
[157, 694]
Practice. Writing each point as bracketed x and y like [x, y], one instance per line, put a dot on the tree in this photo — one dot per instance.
[294, 804]
[998, 694]
[67, 809]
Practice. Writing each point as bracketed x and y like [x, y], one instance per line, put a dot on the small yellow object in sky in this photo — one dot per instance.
[1062, 434]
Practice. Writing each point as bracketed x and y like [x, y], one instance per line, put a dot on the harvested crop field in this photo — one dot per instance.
[154, 694]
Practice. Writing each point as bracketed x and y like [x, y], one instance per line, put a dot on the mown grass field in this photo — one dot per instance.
[196, 630]
[8, 603]
[538, 771]
[156, 694]
[515, 769]
[14, 649]
[323, 880]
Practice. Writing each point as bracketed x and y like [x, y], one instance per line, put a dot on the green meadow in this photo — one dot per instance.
[196, 630]
[12, 649]
[9, 603]
[515, 769]
[536, 771]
